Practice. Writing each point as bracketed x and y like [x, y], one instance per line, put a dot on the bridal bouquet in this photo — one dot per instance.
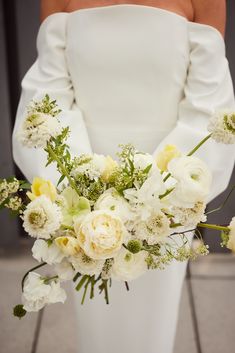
[108, 220]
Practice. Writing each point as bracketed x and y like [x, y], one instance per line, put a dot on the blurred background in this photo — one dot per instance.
[207, 312]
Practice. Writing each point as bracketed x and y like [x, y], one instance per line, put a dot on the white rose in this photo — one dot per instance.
[100, 235]
[85, 265]
[50, 254]
[128, 266]
[231, 241]
[193, 181]
[37, 294]
[111, 200]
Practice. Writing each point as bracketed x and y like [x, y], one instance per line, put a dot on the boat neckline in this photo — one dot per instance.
[153, 8]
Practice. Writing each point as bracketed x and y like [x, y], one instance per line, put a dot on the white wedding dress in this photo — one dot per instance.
[140, 74]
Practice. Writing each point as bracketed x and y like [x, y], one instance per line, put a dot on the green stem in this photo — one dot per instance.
[63, 169]
[92, 287]
[32, 269]
[166, 193]
[213, 226]
[85, 291]
[106, 291]
[191, 152]
[48, 279]
[75, 278]
[199, 145]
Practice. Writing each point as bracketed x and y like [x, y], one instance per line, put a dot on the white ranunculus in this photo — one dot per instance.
[155, 229]
[37, 294]
[100, 235]
[49, 253]
[85, 265]
[128, 266]
[37, 129]
[112, 201]
[222, 127]
[42, 218]
[64, 270]
[193, 181]
[231, 241]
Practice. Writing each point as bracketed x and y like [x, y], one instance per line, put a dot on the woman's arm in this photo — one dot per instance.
[50, 75]
[210, 12]
[208, 88]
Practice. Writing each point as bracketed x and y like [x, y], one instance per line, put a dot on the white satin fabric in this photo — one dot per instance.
[131, 73]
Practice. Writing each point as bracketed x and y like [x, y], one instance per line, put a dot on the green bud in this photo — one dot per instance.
[134, 246]
[19, 311]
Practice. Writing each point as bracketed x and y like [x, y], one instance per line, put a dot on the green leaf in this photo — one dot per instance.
[25, 186]
[61, 179]
[147, 169]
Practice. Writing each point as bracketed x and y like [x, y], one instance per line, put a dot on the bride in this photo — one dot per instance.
[146, 72]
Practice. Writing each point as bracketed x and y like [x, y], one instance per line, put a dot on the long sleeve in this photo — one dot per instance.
[49, 75]
[208, 88]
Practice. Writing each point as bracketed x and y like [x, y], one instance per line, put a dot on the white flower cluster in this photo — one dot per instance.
[7, 188]
[222, 127]
[76, 236]
[92, 168]
[37, 129]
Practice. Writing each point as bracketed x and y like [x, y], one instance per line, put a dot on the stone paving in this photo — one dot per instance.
[206, 320]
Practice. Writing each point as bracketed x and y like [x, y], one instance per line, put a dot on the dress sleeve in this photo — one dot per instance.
[208, 88]
[49, 75]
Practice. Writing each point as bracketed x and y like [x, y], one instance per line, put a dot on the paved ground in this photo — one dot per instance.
[206, 321]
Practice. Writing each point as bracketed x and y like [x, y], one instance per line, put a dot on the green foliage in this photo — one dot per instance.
[91, 189]
[46, 106]
[127, 176]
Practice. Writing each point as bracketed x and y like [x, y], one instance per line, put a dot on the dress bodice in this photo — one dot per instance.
[128, 65]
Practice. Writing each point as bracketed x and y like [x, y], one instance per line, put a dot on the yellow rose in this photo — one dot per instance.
[165, 156]
[110, 166]
[42, 187]
[100, 234]
[68, 245]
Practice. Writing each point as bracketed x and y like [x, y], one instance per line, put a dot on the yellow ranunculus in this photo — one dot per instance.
[165, 156]
[110, 166]
[68, 245]
[42, 187]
